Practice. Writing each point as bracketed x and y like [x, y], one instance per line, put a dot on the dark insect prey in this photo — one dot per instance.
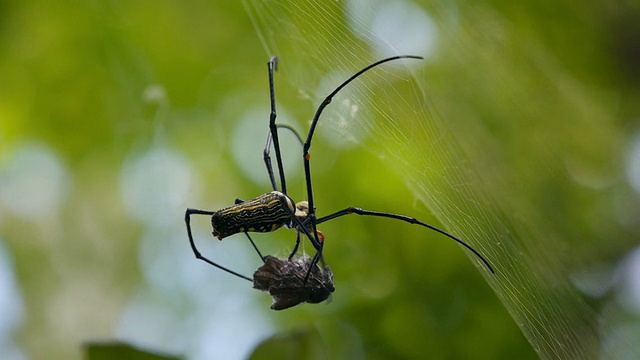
[284, 280]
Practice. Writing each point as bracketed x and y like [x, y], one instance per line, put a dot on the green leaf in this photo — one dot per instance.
[119, 350]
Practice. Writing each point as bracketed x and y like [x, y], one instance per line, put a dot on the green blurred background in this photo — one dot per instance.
[116, 116]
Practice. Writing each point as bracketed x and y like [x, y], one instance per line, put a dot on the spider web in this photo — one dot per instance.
[457, 167]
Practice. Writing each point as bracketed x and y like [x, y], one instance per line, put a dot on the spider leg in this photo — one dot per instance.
[411, 220]
[316, 241]
[267, 163]
[273, 66]
[317, 258]
[267, 153]
[295, 248]
[187, 220]
[254, 246]
[307, 145]
[290, 128]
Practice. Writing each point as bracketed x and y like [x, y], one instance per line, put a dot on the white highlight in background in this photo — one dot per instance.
[11, 308]
[33, 182]
[249, 139]
[155, 185]
[393, 27]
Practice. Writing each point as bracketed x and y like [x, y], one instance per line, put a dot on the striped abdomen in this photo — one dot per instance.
[265, 213]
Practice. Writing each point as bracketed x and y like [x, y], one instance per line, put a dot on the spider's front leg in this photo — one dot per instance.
[408, 219]
[273, 129]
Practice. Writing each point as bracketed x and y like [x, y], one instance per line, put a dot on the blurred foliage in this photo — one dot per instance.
[301, 344]
[116, 350]
[99, 83]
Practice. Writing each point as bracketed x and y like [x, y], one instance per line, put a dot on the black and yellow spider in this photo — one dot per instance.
[273, 210]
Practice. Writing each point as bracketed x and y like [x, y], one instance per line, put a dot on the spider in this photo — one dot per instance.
[273, 210]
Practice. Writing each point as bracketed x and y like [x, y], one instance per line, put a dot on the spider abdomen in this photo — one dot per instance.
[265, 213]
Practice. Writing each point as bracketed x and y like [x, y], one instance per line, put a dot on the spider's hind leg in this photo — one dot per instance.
[196, 252]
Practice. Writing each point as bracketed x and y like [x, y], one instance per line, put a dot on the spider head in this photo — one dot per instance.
[302, 210]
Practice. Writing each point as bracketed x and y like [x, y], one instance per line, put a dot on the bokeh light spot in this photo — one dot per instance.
[249, 139]
[11, 307]
[155, 185]
[393, 27]
[633, 164]
[33, 182]
[630, 282]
